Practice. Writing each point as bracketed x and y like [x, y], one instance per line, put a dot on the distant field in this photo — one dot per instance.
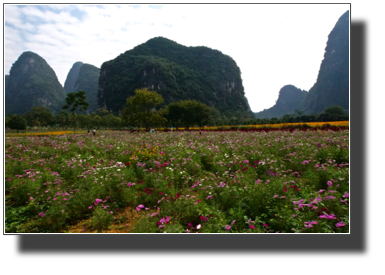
[13, 133]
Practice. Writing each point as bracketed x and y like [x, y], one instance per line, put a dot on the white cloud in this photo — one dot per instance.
[274, 45]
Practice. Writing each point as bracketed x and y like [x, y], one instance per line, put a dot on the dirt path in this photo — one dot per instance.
[123, 223]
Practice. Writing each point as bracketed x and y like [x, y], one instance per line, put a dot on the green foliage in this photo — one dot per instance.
[62, 118]
[140, 109]
[101, 219]
[32, 83]
[76, 100]
[17, 122]
[175, 72]
[188, 113]
[69, 84]
[39, 116]
[334, 111]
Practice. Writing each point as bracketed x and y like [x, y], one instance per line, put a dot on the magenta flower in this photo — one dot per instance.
[252, 226]
[330, 183]
[227, 227]
[41, 214]
[340, 224]
[233, 222]
[264, 224]
[89, 207]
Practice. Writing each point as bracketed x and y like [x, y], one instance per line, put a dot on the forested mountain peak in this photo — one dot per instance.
[32, 82]
[69, 84]
[177, 73]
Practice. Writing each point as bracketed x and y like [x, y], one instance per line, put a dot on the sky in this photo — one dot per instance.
[273, 44]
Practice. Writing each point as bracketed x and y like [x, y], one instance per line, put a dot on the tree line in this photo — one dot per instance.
[141, 111]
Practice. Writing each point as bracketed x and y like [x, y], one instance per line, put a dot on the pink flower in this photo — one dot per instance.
[232, 223]
[264, 224]
[227, 227]
[41, 214]
[111, 212]
[89, 207]
[340, 224]
[252, 226]
[330, 183]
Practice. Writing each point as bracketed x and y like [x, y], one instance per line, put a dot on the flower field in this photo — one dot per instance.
[179, 182]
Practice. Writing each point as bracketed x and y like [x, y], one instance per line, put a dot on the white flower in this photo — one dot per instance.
[118, 170]
[199, 226]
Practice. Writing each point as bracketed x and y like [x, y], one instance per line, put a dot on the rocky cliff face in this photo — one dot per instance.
[289, 99]
[332, 86]
[32, 82]
[177, 73]
[6, 81]
[87, 81]
[69, 84]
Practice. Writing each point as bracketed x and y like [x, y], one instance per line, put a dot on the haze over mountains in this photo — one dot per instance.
[177, 73]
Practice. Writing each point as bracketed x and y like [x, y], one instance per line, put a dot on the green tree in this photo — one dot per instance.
[17, 122]
[199, 112]
[288, 118]
[274, 120]
[140, 109]
[62, 118]
[39, 116]
[85, 121]
[96, 121]
[108, 120]
[234, 120]
[175, 113]
[73, 120]
[76, 102]
[334, 113]
[7, 119]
